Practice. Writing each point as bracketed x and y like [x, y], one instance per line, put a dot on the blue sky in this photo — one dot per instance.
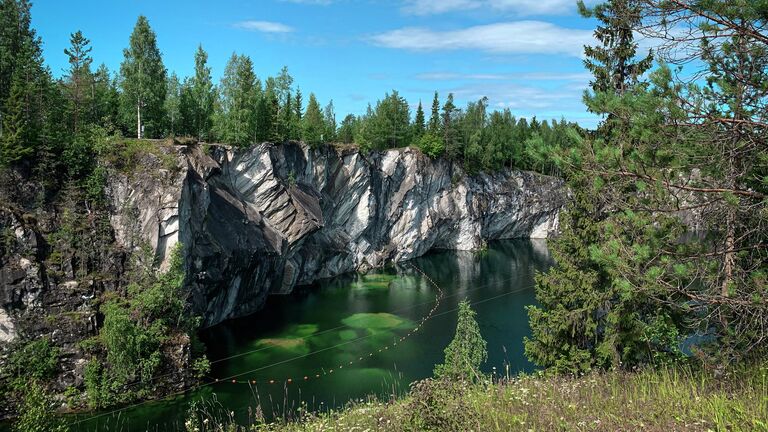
[522, 54]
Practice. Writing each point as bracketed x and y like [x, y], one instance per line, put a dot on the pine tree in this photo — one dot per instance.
[313, 123]
[79, 80]
[143, 82]
[467, 351]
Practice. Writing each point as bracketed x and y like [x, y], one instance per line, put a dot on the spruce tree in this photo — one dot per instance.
[25, 86]
[298, 113]
[449, 128]
[240, 94]
[613, 62]
[590, 314]
[79, 80]
[313, 123]
[142, 80]
[467, 351]
[434, 119]
[17, 141]
[105, 103]
[419, 123]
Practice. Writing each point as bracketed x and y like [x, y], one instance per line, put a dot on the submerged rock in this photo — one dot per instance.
[263, 220]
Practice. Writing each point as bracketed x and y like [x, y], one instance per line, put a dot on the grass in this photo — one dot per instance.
[129, 155]
[654, 400]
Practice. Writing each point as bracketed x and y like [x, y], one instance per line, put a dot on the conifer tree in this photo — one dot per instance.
[419, 123]
[467, 351]
[298, 113]
[104, 109]
[347, 129]
[143, 82]
[313, 123]
[449, 128]
[434, 119]
[329, 117]
[613, 62]
[240, 93]
[202, 94]
[589, 315]
[79, 80]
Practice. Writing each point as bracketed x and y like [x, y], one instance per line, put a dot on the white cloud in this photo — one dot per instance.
[264, 26]
[519, 37]
[519, 7]
[432, 7]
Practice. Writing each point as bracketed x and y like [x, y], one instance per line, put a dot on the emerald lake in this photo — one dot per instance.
[282, 357]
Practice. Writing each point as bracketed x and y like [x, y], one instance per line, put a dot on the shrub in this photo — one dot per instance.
[440, 405]
[431, 145]
[37, 412]
[36, 359]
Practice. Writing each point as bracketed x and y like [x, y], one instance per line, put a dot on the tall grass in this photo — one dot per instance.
[675, 399]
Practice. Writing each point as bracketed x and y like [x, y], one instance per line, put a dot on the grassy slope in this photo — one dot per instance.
[669, 400]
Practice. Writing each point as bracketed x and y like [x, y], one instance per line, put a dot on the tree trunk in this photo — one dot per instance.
[138, 118]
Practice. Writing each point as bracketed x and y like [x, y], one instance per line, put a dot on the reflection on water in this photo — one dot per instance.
[349, 318]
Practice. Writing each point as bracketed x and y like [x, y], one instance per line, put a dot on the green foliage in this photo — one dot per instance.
[200, 111]
[134, 333]
[240, 90]
[431, 145]
[313, 123]
[466, 352]
[143, 83]
[37, 412]
[38, 360]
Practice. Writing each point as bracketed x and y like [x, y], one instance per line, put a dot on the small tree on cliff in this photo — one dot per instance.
[467, 351]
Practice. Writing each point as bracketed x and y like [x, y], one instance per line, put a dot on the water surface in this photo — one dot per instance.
[372, 321]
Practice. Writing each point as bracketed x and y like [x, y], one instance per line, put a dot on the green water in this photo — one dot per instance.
[350, 318]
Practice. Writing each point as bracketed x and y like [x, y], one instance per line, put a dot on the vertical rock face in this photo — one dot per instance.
[261, 221]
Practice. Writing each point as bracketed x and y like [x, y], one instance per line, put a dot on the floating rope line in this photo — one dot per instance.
[317, 375]
[322, 372]
[242, 354]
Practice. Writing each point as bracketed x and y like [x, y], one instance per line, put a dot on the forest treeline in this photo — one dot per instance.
[54, 125]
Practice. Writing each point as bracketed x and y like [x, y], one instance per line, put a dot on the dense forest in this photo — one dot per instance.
[661, 261]
[55, 125]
